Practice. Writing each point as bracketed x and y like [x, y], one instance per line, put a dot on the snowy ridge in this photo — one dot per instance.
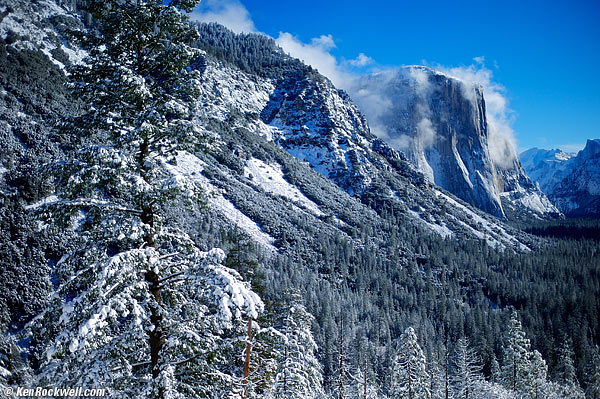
[313, 121]
[225, 89]
[441, 229]
[190, 168]
[494, 234]
[571, 181]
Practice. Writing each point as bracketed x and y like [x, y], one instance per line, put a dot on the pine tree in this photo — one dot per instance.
[537, 375]
[494, 370]
[439, 385]
[409, 376]
[140, 309]
[592, 375]
[299, 372]
[467, 369]
[565, 368]
[515, 356]
[361, 384]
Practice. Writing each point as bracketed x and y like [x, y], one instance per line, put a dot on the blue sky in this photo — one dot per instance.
[542, 57]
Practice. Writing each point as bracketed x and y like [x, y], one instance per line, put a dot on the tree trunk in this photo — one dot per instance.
[156, 336]
[514, 373]
[247, 361]
[285, 371]
[446, 373]
[365, 379]
[9, 366]
[147, 216]
[341, 350]
[410, 393]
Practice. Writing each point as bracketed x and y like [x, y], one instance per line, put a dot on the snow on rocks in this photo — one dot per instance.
[35, 23]
[441, 229]
[270, 178]
[189, 169]
[493, 233]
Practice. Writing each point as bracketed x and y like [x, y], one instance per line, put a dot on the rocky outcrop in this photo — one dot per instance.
[441, 124]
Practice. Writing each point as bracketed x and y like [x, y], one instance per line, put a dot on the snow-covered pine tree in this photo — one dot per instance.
[439, 380]
[139, 309]
[592, 375]
[254, 350]
[299, 372]
[409, 375]
[341, 383]
[467, 369]
[537, 375]
[565, 368]
[515, 356]
[361, 386]
[494, 370]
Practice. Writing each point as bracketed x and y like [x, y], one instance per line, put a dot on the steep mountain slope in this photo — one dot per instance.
[441, 123]
[571, 181]
[307, 116]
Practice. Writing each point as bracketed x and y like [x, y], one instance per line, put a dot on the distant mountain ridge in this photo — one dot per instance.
[571, 181]
[441, 124]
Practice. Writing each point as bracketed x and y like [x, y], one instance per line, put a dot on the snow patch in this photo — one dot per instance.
[316, 157]
[494, 234]
[462, 167]
[190, 168]
[442, 230]
[45, 201]
[270, 178]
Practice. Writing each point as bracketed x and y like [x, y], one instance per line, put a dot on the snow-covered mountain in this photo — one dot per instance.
[292, 106]
[441, 124]
[571, 181]
[303, 113]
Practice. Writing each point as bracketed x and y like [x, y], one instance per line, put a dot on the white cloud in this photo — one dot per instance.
[426, 133]
[361, 61]
[230, 13]
[317, 54]
[501, 136]
[324, 42]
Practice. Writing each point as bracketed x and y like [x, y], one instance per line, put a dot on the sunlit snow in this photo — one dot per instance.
[270, 178]
[189, 167]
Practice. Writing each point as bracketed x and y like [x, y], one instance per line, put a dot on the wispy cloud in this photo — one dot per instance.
[229, 13]
[501, 136]
[479, 60]
[317, 54]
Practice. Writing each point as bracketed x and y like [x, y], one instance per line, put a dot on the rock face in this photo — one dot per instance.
[441, 124]
[571, 181]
